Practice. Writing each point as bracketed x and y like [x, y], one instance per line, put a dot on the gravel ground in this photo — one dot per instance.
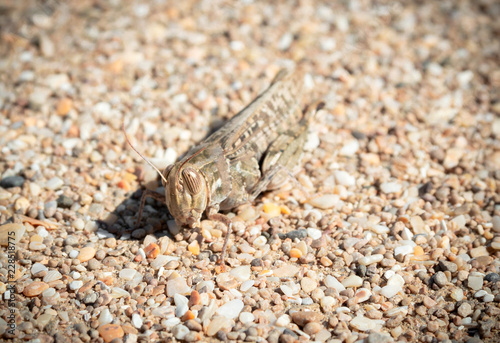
[396, 238]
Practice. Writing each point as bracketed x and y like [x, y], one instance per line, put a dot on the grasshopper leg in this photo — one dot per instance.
[213, 215]
[148, 194]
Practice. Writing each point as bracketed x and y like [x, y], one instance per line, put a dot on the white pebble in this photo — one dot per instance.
[73, 253]
[332, 282]
[364, 324]
[314, 233]
[245, 286]
[78, 224]
[349, 148]
[475, 281]
[74, 285]
[488, 298]
[260, 241]
[352, 281]
[181, 303]
[37, 267]
[105, 317]
[180, 331]
[231, 309]
[286, 290]
[49, 292]
[393, 287]
[367, 260]
[246, 317]
[403, 250]
[54, 183]
[136, 320]
[325, 202]
[344, 178]
[241, 273]
[390, 187]
[328, 303]
[127, 273]
[52, 275]
[283, 320]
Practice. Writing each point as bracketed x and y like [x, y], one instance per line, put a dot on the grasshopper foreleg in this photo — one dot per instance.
[213, 215]
[148, 194]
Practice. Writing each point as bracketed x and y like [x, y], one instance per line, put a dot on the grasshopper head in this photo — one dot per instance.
[186, 194]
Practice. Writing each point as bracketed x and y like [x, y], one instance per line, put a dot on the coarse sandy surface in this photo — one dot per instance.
[393, 235]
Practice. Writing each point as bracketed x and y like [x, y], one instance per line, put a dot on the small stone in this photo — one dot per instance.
[64, 106]
[283, 320]
[464, 310]
[35, 288]
[325, 202]
[295, 253]
[475, 281]
[226, 281]
[218, 323]
[181, 303]
[352, 281]
[314, 233]
[367, 260]
[241, 273]
[180, 331]
[362, 295]
[75, 285]
[362, 323]
[12, 181]
[308, 284]
[271, 209]
[54, 184]
[64, 201]
[301, 318]
[496, 223]
[448, 266]
[349, 148]
[52, 275]
[312, 328]
[393, 287]
[246, 317]
[332, 282]
[109, 332]
[11, 233]
[152, 250]
[457, 294]
[492, 277]
[194, 248]
[86, 254]
[478, 252]
[391, 187]
[379, 337]
[440, 279]
[177, 286]
[231, 309]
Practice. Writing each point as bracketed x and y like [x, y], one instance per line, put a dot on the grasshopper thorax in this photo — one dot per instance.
[186, 193]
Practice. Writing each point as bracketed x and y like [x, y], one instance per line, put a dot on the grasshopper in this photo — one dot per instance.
[253, 152]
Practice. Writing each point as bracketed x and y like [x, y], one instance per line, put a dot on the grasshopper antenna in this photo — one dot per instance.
[144, 158]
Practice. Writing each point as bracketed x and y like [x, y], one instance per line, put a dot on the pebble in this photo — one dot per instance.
[177, 286]
[475, 281]
[246, 318]
[180, 331]
[344, 178]
[495, 221]
[362, 294]
[366, 261]
[105, 317]
[492, 277]
[283, 320]
[464, 310]
[54, 184]
[301, 318]
[35, 288]
[52, 275]
[349, 148]
[332, 282]
[241, 273]
[325, 202]
[352, 281]
[314, 233]
[390, 187]
[393, 287]
[86, 254]
[440, 279]
[362, 323]
[109, 332]
[218, 323]
[12, 181]
[14, 231]
[64, 201]
[231, 309]
[308, 284]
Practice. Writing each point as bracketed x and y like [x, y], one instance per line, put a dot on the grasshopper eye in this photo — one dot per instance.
[192, 180]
